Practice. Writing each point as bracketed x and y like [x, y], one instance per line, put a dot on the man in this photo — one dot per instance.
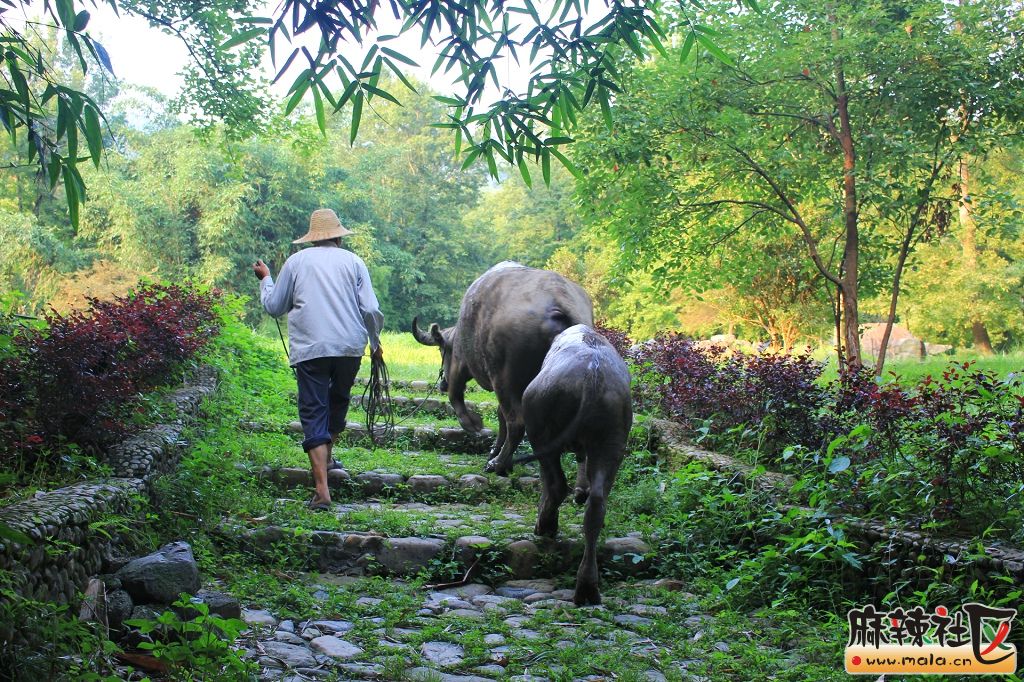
[332, 313]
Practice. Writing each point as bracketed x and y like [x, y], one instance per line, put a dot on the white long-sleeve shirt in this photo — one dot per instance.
[332, 310]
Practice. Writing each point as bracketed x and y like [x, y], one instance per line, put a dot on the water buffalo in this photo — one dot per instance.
[507, 321]
[580, 402]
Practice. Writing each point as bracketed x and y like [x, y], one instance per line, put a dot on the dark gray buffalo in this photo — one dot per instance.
[508, 318]
[580, 402]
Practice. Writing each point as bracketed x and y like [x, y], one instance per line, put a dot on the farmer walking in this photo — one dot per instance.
[332, 314]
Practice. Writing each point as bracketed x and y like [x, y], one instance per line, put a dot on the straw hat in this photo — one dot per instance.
[323, 224]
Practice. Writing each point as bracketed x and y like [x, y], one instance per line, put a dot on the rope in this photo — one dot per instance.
[284, 344]
[377, 402]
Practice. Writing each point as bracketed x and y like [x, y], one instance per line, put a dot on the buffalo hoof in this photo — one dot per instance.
[586, 595]
[471, 422]
[494, 466]
[580, 495]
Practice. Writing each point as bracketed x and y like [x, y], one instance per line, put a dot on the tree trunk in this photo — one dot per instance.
[969, 242]
[851, 250]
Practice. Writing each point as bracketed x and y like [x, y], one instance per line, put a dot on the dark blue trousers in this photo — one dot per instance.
[325, 390]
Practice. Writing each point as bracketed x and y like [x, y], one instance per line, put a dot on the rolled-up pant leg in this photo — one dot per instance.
[343, 376]
[325, 387]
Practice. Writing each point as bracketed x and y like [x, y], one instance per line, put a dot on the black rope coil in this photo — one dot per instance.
[380, 411]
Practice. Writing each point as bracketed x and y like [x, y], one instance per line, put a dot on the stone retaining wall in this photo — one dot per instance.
[68, 544]
[892, 544]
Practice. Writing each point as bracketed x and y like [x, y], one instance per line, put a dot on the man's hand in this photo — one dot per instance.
[260, 269]
[377, 353]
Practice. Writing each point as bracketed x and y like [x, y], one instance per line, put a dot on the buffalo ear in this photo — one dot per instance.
[435, 333]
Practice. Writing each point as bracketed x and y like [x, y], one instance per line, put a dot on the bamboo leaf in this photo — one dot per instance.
[93, 134]
[243, 37]
[321, 116]
[714, 50]
[357, 114]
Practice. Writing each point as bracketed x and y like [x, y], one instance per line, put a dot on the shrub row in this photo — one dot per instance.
[71, 378]
[948, 449]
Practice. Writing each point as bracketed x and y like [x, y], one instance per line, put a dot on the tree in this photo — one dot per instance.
[526, 224]
[574, 62]
[950, 295]
[834, 126]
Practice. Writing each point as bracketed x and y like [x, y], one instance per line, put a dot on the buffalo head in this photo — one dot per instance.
[435, 336]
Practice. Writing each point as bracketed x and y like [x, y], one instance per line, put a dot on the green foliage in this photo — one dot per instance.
[46, 640]
[720, 178]
[200, 647]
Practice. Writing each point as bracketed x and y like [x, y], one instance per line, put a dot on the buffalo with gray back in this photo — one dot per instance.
[508, 318]
[580, 402]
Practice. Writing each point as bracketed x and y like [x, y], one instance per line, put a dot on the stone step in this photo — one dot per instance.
[435, 406]
[360, 553]
[418, 386]
[393, 484]
[449, 439]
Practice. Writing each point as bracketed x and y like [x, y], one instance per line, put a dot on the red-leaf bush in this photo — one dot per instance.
[75, 374]
[699, 384]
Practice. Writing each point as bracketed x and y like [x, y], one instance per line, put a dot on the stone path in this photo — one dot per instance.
[516, 630]
[389, 603]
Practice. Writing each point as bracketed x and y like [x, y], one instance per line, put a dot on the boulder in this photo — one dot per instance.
[161, 576]
[405, 556]
[521, 557]
[426, 483]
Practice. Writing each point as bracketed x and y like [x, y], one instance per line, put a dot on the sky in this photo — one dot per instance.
[145, 55]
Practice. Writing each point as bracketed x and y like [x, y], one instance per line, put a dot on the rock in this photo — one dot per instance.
[162, 576]
[648, 610]
[468, 547]
[521, 558]
[937, 348]
[119, 608]
[293, 477]
[630, 619]
[334, 626]
[404, 556]
[527, 483]
[444, 654]
[430, 675]
[470, 591]
[906, 349]
[363, 671]
[258, 617]
[516, 592]
[426, 483]
[283, 655]
[335, 647]
[670, 584]
[289, 638]
[336, 477]
[373, 482]
[494, 639]
[132, 637]
[723, 339]
[219, 604]
[473, 482]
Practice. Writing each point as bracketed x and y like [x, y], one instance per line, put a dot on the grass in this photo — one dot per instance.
[772, 615]
[912, 371]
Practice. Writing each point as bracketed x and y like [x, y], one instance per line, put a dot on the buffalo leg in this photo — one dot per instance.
[582, 488]
[502, 464]
[553, 492]
[602, 475]
[469, 420]
[502, 433]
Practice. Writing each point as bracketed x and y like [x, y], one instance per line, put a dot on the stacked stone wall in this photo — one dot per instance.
[69, 540]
